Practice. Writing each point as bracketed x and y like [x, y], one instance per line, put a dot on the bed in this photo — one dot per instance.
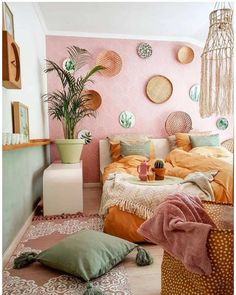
[125, 206]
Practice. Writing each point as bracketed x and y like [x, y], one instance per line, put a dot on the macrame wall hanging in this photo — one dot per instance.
[217, 64]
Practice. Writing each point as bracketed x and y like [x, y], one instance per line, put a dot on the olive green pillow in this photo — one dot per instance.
[87, 254]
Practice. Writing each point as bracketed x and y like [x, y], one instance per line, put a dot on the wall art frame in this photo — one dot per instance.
[7, 20]
[21, 119]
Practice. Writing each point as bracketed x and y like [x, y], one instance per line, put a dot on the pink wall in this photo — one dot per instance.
[126, 91]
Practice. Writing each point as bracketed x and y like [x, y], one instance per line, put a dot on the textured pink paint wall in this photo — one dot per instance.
[126, 92]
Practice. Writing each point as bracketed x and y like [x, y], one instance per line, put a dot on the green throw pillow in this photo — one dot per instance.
[87, 254]
[142, 149]
[207, 140]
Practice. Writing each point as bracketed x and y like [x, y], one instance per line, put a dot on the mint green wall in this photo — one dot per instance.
[22, 172]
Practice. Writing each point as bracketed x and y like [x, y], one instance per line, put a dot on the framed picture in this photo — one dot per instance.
[21, 119]
[7, 19]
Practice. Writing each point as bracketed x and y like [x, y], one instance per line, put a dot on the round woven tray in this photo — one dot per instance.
[185, 55]
[168, 180]
[95, 99]
[178, 122]
[228, 144]
[111, 61]
[159, 89]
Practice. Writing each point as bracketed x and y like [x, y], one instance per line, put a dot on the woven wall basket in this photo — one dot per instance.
[111, 61]
[178, 122]
[228, 144]
[185, 55]
[159, 89]
[95, 99]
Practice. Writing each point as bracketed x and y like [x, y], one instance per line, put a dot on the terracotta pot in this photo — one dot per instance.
[159, 173]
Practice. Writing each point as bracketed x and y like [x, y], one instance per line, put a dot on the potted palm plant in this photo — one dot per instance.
[71, 103]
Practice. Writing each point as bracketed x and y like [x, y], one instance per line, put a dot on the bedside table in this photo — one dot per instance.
[63, 189]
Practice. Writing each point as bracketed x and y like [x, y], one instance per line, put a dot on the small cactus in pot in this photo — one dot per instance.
[159, 164]
[159, 169]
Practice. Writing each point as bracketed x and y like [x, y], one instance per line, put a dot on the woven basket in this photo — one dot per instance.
[178, 122]
[111, 61]
[159, 89]
[95, 99]
[185, 55]
[177, 280]
[228, 144]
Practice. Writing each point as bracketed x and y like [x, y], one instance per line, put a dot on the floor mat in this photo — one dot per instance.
[37, 279]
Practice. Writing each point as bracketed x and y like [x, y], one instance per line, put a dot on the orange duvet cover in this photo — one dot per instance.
[178, 163]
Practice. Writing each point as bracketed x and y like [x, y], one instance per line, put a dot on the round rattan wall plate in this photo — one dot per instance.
[228, 144]
[144, 50]
[178, 122]
[111, 61]
[159, 89]
[95, 99]
[185, 55]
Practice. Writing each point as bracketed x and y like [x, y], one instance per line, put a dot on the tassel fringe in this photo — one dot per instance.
[143, 257]
[25, 259]
[91, 290]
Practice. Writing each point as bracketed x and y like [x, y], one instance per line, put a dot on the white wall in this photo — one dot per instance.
[30, 37]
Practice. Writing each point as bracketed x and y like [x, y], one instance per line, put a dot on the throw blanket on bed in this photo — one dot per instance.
[181, 226]
[141, 199]
[202, 180]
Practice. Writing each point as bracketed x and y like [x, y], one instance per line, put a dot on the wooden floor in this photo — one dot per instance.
[143, 280]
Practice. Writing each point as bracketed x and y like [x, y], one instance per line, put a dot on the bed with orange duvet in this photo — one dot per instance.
[124, 213]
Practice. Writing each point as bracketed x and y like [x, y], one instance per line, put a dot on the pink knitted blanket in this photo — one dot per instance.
[181, 226]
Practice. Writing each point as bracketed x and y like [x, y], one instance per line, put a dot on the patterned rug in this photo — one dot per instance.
[37, 279]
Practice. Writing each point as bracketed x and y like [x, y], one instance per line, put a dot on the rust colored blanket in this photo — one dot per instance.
[181, 226]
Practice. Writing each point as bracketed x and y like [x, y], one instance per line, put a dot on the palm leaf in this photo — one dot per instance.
[79, 56]
[65, 77]
[93, 71]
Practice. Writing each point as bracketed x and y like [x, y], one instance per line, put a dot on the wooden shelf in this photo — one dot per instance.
[31, 143]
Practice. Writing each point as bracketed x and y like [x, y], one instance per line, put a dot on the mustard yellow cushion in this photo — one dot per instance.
[183, 141]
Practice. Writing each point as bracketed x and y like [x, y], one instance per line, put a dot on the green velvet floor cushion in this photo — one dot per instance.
[87, 254]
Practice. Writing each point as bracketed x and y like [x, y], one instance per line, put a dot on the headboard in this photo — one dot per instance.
[161, 149]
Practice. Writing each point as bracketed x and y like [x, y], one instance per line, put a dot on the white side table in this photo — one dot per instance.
[63, 189]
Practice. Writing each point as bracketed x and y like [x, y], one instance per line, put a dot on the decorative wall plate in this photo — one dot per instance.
[228, 144]
[68, 65]
[127, 119]
[222, 123]
[178, 122]
[86, 135]
[194, 92]
[95, 99]
[159, 89]
[144, 50]
[111, 61]
[185, 55]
